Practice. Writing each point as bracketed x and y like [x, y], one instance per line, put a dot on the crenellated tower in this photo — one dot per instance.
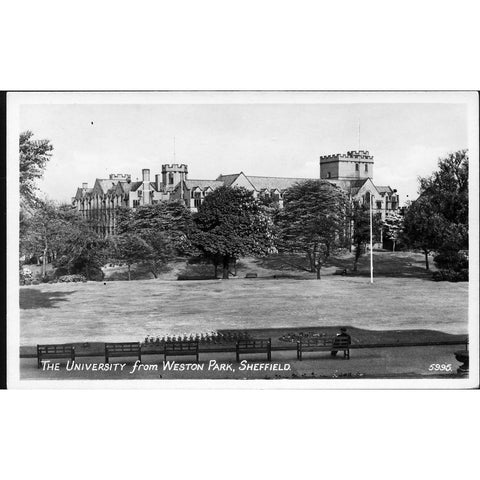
[172, 175]
[350, 166]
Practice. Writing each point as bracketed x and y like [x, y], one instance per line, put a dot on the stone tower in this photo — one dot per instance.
[172, 175]
[350, 166]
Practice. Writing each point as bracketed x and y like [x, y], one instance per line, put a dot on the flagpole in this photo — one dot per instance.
[371, 238]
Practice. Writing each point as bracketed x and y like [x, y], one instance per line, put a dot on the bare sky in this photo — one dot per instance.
[285, 140]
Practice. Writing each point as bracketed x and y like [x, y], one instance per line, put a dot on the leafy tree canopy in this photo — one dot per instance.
[129, 248]
[360, 217]
[438, 219]
[34, 155]
[424, 227]
[447, 188]
[164, 227]
[314, 220]
[232, 223]
[59, 232]
[393, 226]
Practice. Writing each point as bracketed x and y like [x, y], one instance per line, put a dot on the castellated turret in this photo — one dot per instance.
[350, 166]
[122, 177]
[173, 174]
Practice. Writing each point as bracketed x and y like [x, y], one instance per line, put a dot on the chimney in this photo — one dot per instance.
[84, 186]
[146, 174]
[158, 181]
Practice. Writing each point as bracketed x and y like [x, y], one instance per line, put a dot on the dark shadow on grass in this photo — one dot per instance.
[31, 298]
[385, 264]
[391, 266]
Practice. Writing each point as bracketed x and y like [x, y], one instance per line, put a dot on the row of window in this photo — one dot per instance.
[357, 167]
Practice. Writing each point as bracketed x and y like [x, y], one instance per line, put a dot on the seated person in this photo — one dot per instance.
[342, 335]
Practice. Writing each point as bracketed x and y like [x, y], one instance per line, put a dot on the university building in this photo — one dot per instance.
[353, 172]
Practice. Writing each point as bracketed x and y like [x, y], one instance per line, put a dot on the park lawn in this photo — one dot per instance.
[129, 311]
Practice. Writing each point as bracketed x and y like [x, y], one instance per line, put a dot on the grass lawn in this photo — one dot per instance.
[129, 311]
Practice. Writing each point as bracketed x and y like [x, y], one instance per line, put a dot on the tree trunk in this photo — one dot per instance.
[393, 241]
[44, 264]
[426, 260]
[318, 271]
[311, 261]
[215, 266]
[226, 264]
[129, 276]
[358, 253]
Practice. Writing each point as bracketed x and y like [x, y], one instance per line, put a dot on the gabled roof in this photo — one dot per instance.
[384, 189]
[354, 186]
[351, 186]
[134, 186]
[202, 184]
[273, 183]
[227, 180]
[81, 192]
[103, 185]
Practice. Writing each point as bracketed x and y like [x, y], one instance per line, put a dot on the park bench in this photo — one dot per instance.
[173, 349]
[123, 349]
[323, 345]
[54, 351]
[254, 346]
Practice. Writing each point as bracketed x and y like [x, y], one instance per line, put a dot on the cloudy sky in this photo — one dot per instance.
[285, 140]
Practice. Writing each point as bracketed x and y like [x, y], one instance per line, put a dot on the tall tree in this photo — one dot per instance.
[81, 249]
[360, 218]
[393, 226]
[34, 155]
[438, 219]
[447, 188]
[314, 220]
[128, 248]
[58, 232]
[424, 227]
[231, 224]
[165, 227]
[42, 232]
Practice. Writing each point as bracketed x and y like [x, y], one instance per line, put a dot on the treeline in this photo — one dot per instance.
[318, 219]
[230, 224]
[438, 220]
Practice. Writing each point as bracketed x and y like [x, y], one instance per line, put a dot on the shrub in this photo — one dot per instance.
[72, 278]
[450, 276]
[451, 260]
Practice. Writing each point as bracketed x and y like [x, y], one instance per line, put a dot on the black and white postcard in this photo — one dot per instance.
[243, 239]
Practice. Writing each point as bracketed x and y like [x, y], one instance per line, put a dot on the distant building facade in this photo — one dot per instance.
[353, 172]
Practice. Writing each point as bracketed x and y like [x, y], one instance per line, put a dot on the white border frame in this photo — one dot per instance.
[16, 99]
